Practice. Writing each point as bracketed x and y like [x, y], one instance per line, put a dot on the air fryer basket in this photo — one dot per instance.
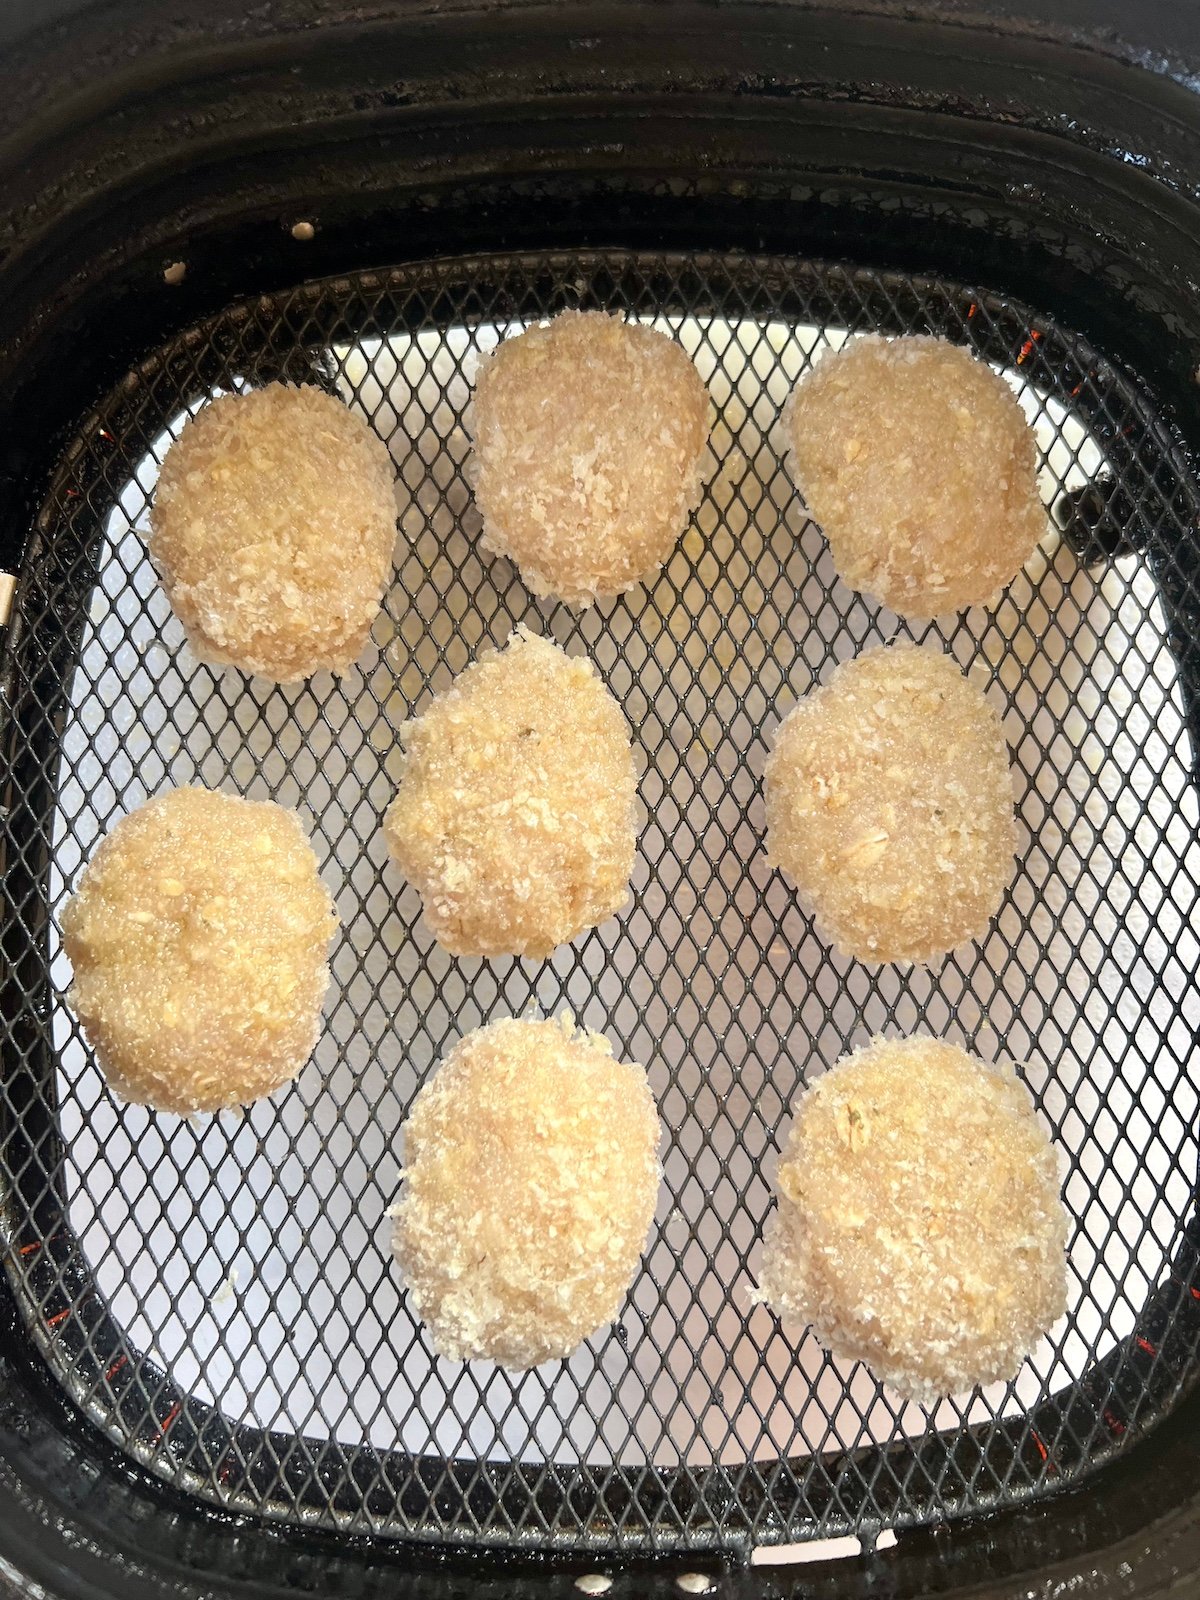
[210, 1377]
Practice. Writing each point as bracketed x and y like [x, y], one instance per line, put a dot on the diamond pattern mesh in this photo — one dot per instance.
[217, 1295]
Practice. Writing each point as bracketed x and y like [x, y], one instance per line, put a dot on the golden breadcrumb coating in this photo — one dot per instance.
[920, 1227]
[916, 461]
[198, 936]
[530, 1181]
[273, 528]
[889, 802]
[589, 434]
[516, 816]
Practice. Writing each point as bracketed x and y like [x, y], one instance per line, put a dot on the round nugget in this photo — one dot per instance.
[198, 935]
[530, 1180]
[890, 804]
[920, 1227]
[516, 815]
[918, 464]
[273, 528]
[589, 434]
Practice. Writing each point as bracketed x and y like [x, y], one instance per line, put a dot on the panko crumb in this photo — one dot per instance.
[273, 528]
[198, 936]
[918, 464]
[226, 1290]
[889, 803]
[530, 1181]
[589, 435]
[516, 813]
[920, 1226]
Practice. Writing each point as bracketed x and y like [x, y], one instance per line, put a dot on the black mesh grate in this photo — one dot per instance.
[217, 1293]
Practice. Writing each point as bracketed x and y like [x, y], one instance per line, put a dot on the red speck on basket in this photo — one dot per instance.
[1027, 348]
[972, 311]
[168, 1421]
[28, 1249]
[52, 1322]
[1116, 1425]
[115, 1368]
[1051, 1469]
[1144, 1344]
